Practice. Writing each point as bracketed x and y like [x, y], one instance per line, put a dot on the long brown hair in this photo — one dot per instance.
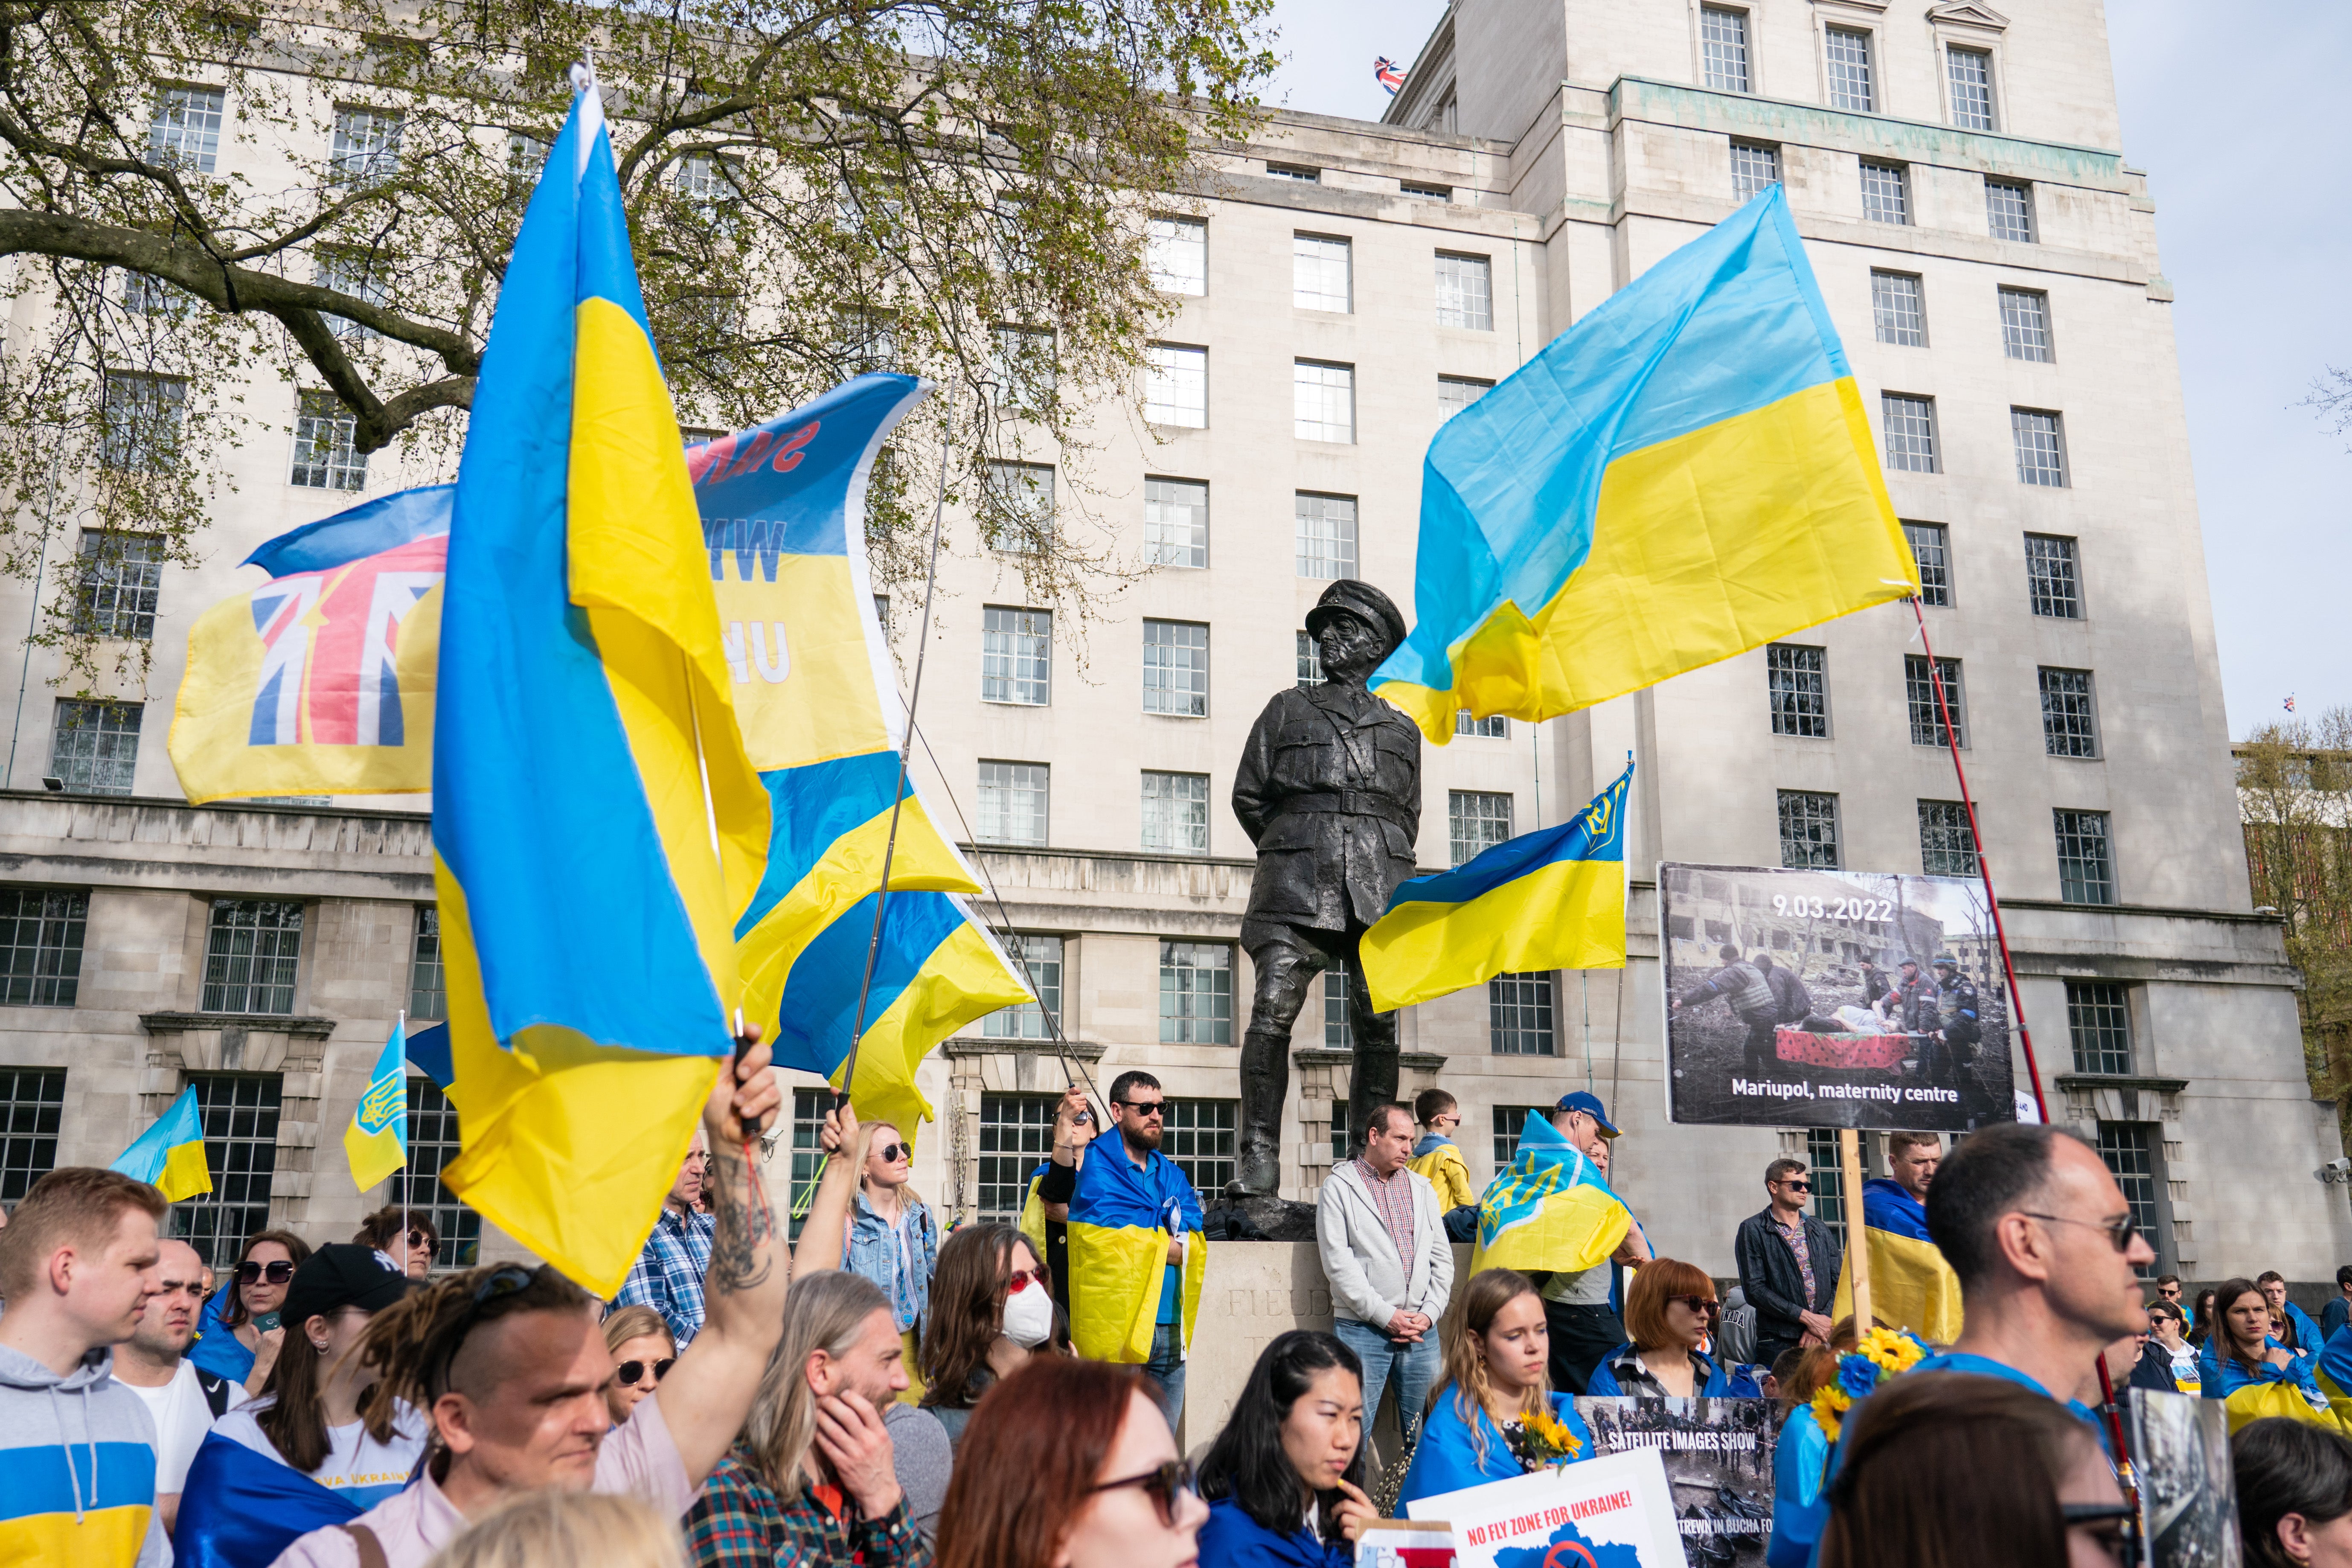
[1029, 1461]
[2227, 1295]
[236, 1317]
[296, 1420]
[966, 1312]
[1482, 1302]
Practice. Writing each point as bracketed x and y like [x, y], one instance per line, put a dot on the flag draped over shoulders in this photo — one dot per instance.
[240, 1509]
[1121, 1221]
[1911, 1286]
[1549, 1209]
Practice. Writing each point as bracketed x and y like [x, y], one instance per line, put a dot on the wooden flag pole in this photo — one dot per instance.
[1857, 1250]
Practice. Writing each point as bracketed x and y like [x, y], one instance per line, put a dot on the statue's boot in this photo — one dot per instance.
[1265, 1081]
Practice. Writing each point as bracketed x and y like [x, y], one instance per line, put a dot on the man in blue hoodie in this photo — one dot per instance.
[78, 1264]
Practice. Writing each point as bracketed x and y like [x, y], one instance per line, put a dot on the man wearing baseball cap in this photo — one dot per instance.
[1582, 1325]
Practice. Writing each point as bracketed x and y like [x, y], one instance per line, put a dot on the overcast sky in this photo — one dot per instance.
[2247, 163]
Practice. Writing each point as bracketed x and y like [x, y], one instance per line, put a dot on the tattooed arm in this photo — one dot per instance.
[707, 1395]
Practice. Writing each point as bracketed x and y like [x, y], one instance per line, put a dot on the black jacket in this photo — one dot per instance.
[1768, 1274]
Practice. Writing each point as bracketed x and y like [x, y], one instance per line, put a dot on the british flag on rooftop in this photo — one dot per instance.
[1390, 74]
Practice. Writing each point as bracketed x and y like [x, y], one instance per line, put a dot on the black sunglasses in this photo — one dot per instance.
[1144, 1107]
[2119, 1230]
[632, 1372]
[1704, 1306]
[1796, 1186]
[1163, 1486]
[253, 1273]
[890, 1154]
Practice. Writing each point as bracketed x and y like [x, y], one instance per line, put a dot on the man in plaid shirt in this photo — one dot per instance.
[668, 1275]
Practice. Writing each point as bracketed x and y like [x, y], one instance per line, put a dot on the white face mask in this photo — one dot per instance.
[1029, 1316]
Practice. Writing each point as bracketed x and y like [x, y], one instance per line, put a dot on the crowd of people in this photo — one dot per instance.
[887, 1392]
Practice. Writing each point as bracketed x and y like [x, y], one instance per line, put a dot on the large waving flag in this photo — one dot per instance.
[1554, 898]
[1911, 1286]
[1681, 476]
[597, 827]
[320, 680]
[1121, 1221]
[784, 513]
[1549, 1209]
[170, 1155]
[376, 1142]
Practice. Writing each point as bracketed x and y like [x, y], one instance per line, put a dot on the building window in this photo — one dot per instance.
[1298, 172]
[1176, 387]
[1196, 993]
[1425, 191]
[1176, 523]
[1027, 371]
[251, 955]
[1498, 727]
[866, 341]
[2131, 1159]
[1017, 1135]
[121, 578]
[428, 986]
[1723, 49]
[1828, 1189]
[2009, 210]
[1509, 1121]
[352, 272]
[1016, 656]
[366, 146]
[1519, 1016]
[139, 422]
[1885, 193]
[1319, 273]
[1327, 536]
[1310, 661]
[1850, 75]
[2053, 586]
[1324, 401]
[432, 1146]
[1475, 821]
[2025, 324]
[1920, 691]
[2069, 725]
[1200, 1139]
[1176, 253]
[1754, 170]
[1013, 803]
[185, 131]
[2086, 873]
[1466, 293]
[1947, 847]
[808, 1156]
[1176, 668]
[1338, 1035]
[2098, 1021]
[95, 748]
[1797, 683]
[1910, 432]
[1897, 308]
[326, 446]
[1340, 1147]
[32, 1104]
[1038, 960]
[239, 1112]
[1809, 830]
[1969, 72]
[41, 933]
[526, 156]
[1176, 812]
[1931, 547]
[1456, 393]
[2041, 447]
[1022, 500]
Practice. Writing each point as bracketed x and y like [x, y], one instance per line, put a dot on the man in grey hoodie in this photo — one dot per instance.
[77, 1267]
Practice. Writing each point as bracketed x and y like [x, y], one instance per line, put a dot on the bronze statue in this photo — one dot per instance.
[1329, 791]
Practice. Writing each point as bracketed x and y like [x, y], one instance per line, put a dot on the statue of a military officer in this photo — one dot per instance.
[1329, 791]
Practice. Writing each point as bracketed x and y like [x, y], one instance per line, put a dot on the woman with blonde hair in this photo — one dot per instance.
[555, 1529]
[894, 1240]
[643, 1353]
[1493, 1416]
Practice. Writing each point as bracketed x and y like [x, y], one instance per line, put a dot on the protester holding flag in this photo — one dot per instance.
[239, 1335]
[1552, 1211]
[1493, 1415]
[1911, 1286]
[893, 1238]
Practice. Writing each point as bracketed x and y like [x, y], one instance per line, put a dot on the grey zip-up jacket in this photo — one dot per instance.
[1369, 1282]
[81, 1453]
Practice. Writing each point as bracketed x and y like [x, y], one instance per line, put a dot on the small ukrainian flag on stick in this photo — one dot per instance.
[376, 1142]
[170, 1155]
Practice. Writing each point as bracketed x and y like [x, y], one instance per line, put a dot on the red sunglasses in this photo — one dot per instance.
[1022, 1278]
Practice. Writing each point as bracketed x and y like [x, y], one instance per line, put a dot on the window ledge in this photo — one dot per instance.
[1325, 1057]
[2095, 1080]
[265, 1023]
[1085, 1050]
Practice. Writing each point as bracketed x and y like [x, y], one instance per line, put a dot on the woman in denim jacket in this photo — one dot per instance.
[893, 1238]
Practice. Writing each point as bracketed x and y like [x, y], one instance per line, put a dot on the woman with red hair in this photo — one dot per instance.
[1670, 1311]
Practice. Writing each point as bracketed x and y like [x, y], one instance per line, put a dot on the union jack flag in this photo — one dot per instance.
[330, 671]
[1390, 73]
[2290, 703]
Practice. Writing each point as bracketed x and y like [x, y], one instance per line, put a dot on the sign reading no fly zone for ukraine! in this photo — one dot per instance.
[1813, 998]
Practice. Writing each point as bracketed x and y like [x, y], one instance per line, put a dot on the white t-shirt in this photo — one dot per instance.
[181, 1419]
[357, 1466]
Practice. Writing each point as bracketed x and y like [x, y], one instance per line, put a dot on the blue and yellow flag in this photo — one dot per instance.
[1911, 1286]
[1549, 1209]
[170, 1155]
[320, 680]
[1121, 1221]
[1683, 475]
[784, 513]
[597, 827]
[1554, 898]
[376, 1142]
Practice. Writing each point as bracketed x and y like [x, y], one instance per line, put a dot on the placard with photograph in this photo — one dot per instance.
[1609, 1512]
[1789, 1001]
[2188, 1490]
[1719, 1460]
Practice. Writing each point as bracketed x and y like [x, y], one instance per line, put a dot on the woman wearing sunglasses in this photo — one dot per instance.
[406, 1237]
[893, 1238]
[992, 1309]
[641, 1352]
[1285, 1479]
[1071, 1465]
[1671, 1311]
[238, 1336]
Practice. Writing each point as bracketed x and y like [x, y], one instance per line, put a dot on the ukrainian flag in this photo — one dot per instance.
[170, 1155]
[1911, 1286]
[376, 1142]
[597, 827]
[783, 514]
[1549, 900]
[1683, 475]
[1549, 1209]
[1121, 1221]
